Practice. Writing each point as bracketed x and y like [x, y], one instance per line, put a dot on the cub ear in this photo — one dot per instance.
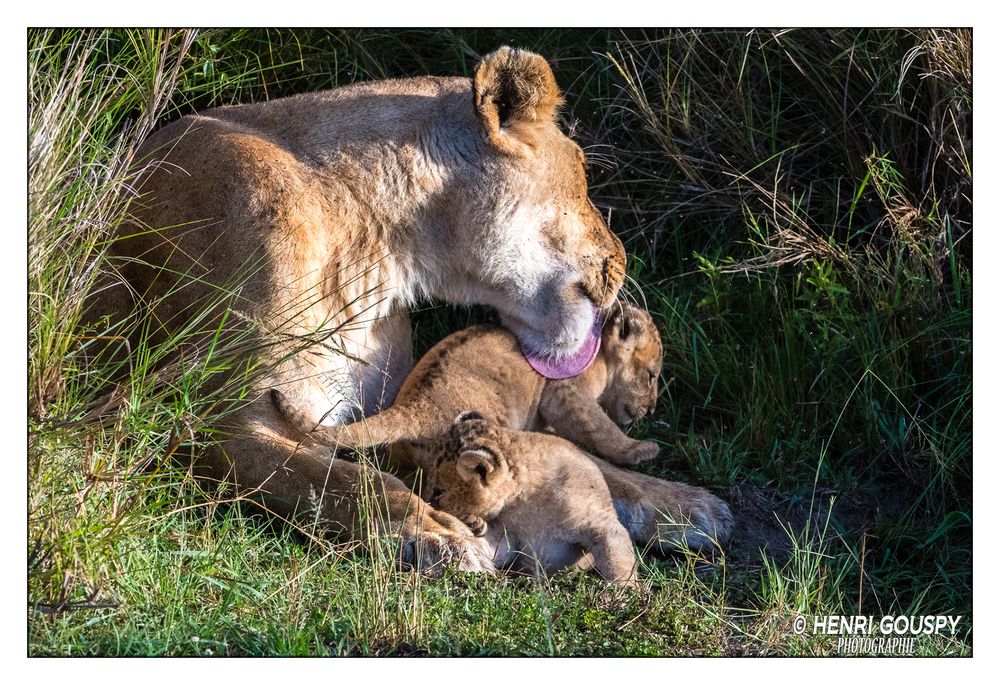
[620, 322]
[476, 465]
[512, 86]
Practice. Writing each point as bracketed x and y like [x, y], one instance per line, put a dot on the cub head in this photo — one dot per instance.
[529, 241]
[469, 475]
[630, 343]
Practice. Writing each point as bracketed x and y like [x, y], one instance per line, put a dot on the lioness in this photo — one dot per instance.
[536, 498]
[482, 368]
[323, 218]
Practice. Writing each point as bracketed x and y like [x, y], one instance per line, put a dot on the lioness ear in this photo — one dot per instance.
[476, 465]
[512, 86]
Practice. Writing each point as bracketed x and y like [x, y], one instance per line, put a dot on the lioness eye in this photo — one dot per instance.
[652, 377]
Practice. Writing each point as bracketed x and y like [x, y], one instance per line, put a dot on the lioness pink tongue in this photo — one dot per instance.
[571, 365]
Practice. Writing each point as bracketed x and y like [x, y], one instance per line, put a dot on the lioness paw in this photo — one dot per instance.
[431, 554]
[433, 540]
[703, 527]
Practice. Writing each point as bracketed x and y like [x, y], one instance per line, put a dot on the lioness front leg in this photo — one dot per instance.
[302, 483]
[581, 420]
[665, 515]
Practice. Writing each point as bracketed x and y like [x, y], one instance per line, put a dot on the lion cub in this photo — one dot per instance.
[535, 497]
[482, 368]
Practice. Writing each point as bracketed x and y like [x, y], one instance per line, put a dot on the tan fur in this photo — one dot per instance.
[535, 497]
[322, 218]
[482, 369]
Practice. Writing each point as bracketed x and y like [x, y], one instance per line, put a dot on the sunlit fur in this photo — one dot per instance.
[537, 499]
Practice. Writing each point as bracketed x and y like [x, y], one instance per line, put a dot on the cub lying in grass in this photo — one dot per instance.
[535, 497]
[484, 369]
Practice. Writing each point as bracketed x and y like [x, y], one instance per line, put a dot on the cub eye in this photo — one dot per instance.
[652, 378]
[436, 493]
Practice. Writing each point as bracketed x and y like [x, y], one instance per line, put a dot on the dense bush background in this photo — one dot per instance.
[797, 206]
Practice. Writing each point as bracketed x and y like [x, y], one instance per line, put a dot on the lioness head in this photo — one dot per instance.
[470, 475]
[533, 244]
[633, 351]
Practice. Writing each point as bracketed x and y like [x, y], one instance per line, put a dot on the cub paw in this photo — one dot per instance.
[476, 525]
[640, 452]
[629, 583]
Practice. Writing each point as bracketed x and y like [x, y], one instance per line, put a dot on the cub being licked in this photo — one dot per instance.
[535, 498]
[484, 369]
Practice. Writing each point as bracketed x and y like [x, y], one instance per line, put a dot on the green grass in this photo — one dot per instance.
[797, 209]
[230, 586]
